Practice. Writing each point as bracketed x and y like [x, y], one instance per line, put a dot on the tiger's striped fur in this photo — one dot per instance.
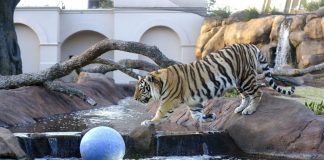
[235, 66]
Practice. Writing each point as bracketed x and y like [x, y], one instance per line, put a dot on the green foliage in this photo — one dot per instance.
[317, 108]
[312, 5]
[251, 13]
[231, 93]
[220, 13]
[271, 11]
[105, 3]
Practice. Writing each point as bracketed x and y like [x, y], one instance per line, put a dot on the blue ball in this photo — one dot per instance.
[102, 143]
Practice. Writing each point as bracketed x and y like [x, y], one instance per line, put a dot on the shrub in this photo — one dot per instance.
[271, 11]
[220, 13]
[317, 108]
[312, 5]
[251, 13]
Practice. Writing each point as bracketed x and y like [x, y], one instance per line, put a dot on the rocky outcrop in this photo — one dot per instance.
[25, 104]
[9, 145]
[305, 29]
[247, 32]
[311, 52]
[279, 127]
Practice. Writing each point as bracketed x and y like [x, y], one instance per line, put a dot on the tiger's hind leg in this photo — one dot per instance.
[250, 88]
[197, 114]
[244, 103]
[255, 99]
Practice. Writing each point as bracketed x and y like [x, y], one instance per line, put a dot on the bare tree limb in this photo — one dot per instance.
[61, 69]
[127, 63]
[294, 72]
[149, 51]
[99, 68]
[139, 64]
[60, 87]
[299, 72]
[117, 66]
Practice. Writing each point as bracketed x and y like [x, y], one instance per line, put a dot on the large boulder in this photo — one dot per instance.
[213, 44]
[208, 30]
[277, 20]
[298, 23]
[306, 49]
[320, 12]
[254, 31]
[9, 145]
[315, 28]
[279, 127]
[297, 37]
[214, 35]
[310, 60]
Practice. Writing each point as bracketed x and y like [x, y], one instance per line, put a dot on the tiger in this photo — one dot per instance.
[235, 66]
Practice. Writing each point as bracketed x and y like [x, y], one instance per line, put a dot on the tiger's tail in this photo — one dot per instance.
[266, 68]
[273, 84]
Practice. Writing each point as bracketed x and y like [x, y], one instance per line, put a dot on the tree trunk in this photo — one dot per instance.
[10, 60]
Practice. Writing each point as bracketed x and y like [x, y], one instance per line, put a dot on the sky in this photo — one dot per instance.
[235, 5]
[69, 4]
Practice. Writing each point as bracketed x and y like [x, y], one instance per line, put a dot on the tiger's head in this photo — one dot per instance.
[148, 87]
[142, 91]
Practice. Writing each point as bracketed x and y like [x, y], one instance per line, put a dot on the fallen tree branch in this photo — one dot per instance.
[99, 68]
[61, 69]
[60, 87]
[139, 64]
[117, 66]
[294, 72]
[298, 72]
[127, 63]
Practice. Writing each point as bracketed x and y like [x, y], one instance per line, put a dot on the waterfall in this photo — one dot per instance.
[283, 47]
[205, 149]
[53, 142]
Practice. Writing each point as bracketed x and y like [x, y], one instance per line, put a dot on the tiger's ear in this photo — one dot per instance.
[139, 77]
[150, 78]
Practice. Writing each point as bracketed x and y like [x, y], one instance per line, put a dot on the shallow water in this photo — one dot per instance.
[203, 157]
[122, 117]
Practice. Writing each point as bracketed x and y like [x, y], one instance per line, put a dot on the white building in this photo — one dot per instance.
[48, 35]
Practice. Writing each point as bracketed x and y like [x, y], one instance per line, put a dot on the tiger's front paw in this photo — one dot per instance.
[147, 123]
[209, 117]
[249, 110]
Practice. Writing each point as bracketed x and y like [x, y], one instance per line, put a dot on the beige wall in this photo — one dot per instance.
[29, 48]
[68, 32]
[169, 42]
[76, 44]
[79, 42]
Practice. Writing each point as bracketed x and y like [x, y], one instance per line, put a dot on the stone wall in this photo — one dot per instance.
[306, 36]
